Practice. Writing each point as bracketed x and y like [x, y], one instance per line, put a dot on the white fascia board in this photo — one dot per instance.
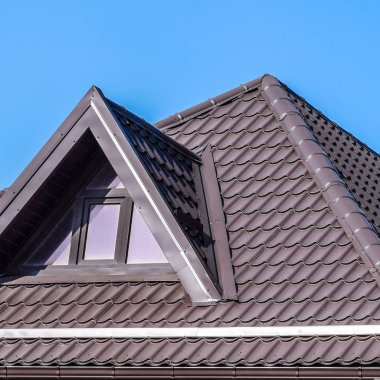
[191, 332]
[187, 273]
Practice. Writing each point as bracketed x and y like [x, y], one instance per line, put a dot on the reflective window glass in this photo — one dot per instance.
[143, 247]
[102, 232]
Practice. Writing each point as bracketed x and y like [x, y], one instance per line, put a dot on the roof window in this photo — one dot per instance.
[102, 226]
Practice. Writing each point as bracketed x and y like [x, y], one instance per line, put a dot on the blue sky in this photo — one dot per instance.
[159, 57]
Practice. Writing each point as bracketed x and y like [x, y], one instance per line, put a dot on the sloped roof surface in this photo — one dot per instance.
[294, 263]
[192, 351]
[170, 166]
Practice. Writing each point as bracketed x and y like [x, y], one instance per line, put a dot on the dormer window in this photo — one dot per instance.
[101, 230]
[102, 227]
[143, 216]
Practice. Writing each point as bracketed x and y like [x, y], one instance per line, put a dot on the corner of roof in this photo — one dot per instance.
[333, 188]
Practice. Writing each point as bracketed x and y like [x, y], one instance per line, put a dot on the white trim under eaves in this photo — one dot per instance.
[191, 332]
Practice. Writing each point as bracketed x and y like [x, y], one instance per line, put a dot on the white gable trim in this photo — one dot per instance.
[152, 203]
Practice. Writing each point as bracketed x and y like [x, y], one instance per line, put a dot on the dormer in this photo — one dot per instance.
[109, 197]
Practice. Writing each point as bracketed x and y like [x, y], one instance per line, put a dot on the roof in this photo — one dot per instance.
[303, 250]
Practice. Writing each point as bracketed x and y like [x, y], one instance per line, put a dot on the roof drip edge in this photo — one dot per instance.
[244, 372]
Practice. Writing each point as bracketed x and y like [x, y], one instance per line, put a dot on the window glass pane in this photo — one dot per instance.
[102, 232]
[55, 249]
[143, 247]
[61, 255]
[105, 178]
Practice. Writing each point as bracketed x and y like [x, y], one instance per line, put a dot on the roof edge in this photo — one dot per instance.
[334, 189]
[181, 372]
[188, 113]
[189, 332]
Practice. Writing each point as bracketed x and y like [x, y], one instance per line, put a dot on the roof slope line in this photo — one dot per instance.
[334, 190]
[206, 105]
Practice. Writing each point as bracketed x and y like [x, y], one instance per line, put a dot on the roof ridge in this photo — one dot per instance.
[188, 113]
[353, 220]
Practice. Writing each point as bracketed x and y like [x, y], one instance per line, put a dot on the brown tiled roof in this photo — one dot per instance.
[193, 351]
[358, 164]
[295, 259]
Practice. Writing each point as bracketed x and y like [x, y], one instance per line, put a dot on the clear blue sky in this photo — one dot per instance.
[159, 57]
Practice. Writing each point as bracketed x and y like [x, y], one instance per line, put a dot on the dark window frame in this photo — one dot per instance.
[80, 225]
[78, 270]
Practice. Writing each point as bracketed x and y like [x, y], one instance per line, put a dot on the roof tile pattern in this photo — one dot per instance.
[169, 165]
[285, 240]
[293, 263]
[357, 164]
[191, 352]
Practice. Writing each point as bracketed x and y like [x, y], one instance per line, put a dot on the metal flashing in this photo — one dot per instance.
[217, 225]
[155, 131]
[190, 332]
[184, 372]
[146, 196]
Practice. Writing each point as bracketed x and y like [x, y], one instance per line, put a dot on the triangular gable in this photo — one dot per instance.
[94, 115]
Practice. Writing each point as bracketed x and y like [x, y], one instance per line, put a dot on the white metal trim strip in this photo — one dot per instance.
[191, 332]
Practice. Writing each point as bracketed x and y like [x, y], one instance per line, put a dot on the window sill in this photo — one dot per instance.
[92, 273]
